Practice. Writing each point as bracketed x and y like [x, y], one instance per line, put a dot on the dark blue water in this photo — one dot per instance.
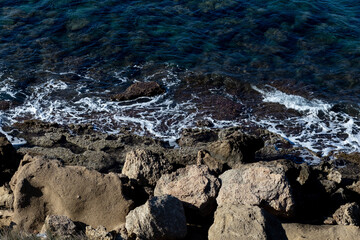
[63, 59]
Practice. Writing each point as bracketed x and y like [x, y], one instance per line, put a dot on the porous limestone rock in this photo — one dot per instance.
[61, 226]
[45, 187]
[257, 184]
[193, 185]
[145, 166]
[160, 218]
[348, 214]
[99, 233]
[246, 222]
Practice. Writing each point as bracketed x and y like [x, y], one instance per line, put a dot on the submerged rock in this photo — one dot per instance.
[139, 89]
[233, 222]
[45, 187]
[160, 218]
[257, 184]
[193, 185]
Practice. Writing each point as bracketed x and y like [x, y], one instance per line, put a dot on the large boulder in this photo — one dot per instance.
[246, 222]
[193, 185]
[257, 184]
[9, 160]
[145, 166]
[45, 187]
[139, 89]
[159, 218]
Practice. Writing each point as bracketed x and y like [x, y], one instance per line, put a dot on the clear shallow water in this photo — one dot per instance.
[62, 60]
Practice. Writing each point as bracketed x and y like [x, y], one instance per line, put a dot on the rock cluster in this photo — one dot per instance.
[219, 184]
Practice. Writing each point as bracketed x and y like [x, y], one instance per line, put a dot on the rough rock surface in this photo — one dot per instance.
[234, 148]
[257, 184]
[159, 218]
[59, 226]
[348, 214]
[6, 197]
[139, 89]
[193, 185]
[233, 222]
[204, 158]
[297, 231]
[45, 187]
[99, 233]
[145, 166]
[9, 160]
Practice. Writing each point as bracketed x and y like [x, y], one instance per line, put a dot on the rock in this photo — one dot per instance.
[297, 231]
[9, 160]
[235, 148]
[193, 185]
[257, 184]
[204, 158]
[99, 233]
[244, 222]
[139, 89]
[334, 176]
[197, 136]
[4, 105]
[61, 226]
[159, 218]
[6, 218]
[348, 214]
[145, 166]
[6, 198]
[45, 187]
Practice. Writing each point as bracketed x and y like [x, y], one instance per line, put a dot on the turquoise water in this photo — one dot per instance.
[71, 52]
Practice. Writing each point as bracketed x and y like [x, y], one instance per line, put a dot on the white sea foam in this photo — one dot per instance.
[54, 100]
[319, 127]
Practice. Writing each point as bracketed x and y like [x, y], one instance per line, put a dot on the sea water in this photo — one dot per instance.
[288, 66]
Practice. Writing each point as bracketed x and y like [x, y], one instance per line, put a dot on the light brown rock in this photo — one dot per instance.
[297, 231]
[145, 166]
[348, 214]
[244, 222]
[204, 158]
[160, 218]
[46, 187]
[257, 184]
[193, 185]
[6, 198]
[6, 217]
[100, 233]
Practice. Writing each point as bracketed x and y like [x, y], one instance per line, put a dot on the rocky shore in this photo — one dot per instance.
[216, 184]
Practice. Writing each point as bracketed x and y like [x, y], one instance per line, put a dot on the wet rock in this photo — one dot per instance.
[159, 218]
[296, 231]
[61, 226]
[244, 222]
[193, 185]
[348, 214]
[145, 166]
[45, 187]
[6, 197]
[257, 184]
[99, 233]
[139, 89]
[4, 105]
[234, 148]
[9, 160]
